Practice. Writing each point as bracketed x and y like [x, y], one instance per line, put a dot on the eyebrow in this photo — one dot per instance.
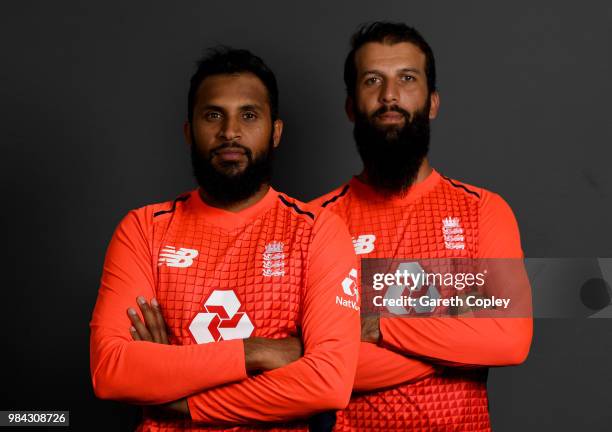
[251, 107]
[377, 72]
[210, 107]
[247, 107]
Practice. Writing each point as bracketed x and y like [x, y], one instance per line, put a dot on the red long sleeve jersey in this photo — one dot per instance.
[272, 270]
[453, 398]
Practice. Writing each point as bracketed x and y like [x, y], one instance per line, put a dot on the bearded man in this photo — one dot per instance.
[238, 324]
[417, 374]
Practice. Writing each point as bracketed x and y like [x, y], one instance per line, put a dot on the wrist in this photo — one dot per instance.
[371, 330]
[376, 335]
[254, 354]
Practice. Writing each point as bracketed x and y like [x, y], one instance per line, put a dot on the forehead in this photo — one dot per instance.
[383, 56]
[235, 89]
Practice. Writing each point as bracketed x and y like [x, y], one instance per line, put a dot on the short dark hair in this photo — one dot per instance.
[222, 60]
[391, 33]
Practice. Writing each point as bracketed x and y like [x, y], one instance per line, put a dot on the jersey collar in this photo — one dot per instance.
[227, 219]
[414, 192]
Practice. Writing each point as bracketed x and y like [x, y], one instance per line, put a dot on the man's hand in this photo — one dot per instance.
[154, 327]
[370, 329]
[154, 330]
[263, 354]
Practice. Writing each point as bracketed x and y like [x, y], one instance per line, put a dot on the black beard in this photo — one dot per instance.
[392, 155]
[228, 188]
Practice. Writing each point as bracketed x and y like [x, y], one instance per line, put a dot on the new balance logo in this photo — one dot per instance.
[177, 258]
[364, 243]
[221, 319]
[351, 289]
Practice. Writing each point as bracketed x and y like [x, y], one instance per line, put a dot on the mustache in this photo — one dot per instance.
[233, 145]
[390, 108]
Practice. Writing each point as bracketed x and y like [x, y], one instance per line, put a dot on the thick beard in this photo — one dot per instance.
[392, 156]
[228, 188]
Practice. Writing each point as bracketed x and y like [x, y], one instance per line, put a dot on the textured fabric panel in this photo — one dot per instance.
[448, 401]
[414, 227]
[231, 260]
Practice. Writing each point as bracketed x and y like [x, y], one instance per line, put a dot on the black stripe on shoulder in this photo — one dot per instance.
[335, 197]
[295, 207]
[161, 212]
[457, 185]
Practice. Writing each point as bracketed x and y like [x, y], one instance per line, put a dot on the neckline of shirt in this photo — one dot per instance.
[415, 191]
[228, 219]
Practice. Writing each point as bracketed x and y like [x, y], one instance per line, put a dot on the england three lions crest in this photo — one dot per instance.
[273, 259]
[453, 233]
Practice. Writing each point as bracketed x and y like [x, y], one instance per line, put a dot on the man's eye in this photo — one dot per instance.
[212, 115]
[249, 115]
[372, 80]
[407, 78]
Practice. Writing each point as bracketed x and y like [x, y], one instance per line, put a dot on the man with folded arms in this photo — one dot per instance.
[238, 324]
[401, 208]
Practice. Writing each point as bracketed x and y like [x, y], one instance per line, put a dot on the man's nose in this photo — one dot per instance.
[389, 93]
[230, 130]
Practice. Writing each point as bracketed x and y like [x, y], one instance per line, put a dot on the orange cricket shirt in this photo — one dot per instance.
[436, 377]
[275, 269]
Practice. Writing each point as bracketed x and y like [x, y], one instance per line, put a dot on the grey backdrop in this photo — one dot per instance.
[93, 98]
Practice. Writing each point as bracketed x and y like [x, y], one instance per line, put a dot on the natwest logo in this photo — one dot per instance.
[221, 319]
[364, 243]
[177, 258]
[351, 289]
[349, 284]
